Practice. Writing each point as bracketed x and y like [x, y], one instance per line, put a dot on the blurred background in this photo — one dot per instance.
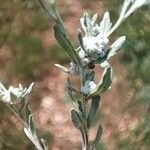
[28, 52]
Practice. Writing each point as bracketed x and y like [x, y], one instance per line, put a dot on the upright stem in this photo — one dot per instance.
[84, 114]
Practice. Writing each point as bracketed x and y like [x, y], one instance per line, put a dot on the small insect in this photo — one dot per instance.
[91, 65]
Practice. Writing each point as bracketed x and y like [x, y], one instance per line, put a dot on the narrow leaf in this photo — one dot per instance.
[31, 124]
[87, 20]
[75, 119]
[62, 68]
[28, 133]
[50, 8]
[93, 111]
[98, 137]
[105, 23]
[116, 46]
[94, 19]
[80, 38]
[104, 83]
[59, 31]
[65, 43]
[44, 144]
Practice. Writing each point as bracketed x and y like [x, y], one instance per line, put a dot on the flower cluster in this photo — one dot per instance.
[94, 45]
[8, 95]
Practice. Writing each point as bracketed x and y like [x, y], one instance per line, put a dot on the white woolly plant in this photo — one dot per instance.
[94, 49]
[15, 99]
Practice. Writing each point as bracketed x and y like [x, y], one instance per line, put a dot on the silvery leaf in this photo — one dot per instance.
[94, 19]
[93, 111]
[30, 123]
[62, 68]
[87, 21]
[2, 88]
[60, 34]
[28, 133]
[124, 8]
[76, 119]
[104, 64]
[116, 46]
[44, 144]
[105, 24]
[65, 43]
[82, 24]
[28, 91]
[104, 83]
[137, 4]
[33, 138]
[50, 7]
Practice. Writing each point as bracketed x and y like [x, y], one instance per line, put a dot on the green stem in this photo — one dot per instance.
[85, 145]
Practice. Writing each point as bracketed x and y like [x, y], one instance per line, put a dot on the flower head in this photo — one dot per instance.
[20, 92]
[95, 40]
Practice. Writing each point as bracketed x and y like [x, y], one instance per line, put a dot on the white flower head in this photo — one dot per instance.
[82, 54]
[4, 94]
[20, 92]
[86, 61]
[95, 46]
[95, 40]
[6, 97]
[92, 85]
[89, 87]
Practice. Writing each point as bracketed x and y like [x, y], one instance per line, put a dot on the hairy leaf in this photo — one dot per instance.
[116, 46]
[76, 119]
[65, 43]
[93, 111]
[104, 83]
